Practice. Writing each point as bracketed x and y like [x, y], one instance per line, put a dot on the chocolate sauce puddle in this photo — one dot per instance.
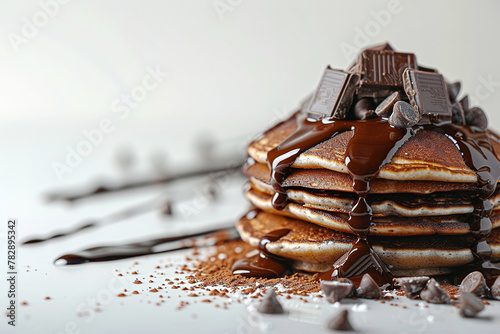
[373, 144]
[263, 264]
[147, 247]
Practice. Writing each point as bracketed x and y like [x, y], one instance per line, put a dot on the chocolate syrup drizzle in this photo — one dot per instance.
[477, 152]
[366, 153]
[373, 144]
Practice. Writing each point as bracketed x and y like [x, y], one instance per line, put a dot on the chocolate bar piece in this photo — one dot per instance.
[381, 72]
[427, 92]
[334, 95]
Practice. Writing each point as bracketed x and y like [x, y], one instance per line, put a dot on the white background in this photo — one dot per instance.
[234, 67]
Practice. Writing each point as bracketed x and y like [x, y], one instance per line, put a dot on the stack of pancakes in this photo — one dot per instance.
[421, 201]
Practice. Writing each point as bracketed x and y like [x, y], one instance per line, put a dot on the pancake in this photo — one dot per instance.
[314, 248]
[428, 155]
[322, 179]
[382, 226]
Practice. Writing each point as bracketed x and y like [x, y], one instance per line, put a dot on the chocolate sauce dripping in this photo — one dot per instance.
[477, 152]
[263, 264]
[147, 247]
[101, 189]
[373, 144]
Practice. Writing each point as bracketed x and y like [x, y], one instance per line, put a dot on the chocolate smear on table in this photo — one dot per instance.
[98, 222]
[335, 291]
[474, 283]
[73, 196]
[368, 288]
[339, 322]
[412, 286]
[470, 305]
[270, 303]
[428, 94]
[333, 97]
[434, 293]
[155, 246]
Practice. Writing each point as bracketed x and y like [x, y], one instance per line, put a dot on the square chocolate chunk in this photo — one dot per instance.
[428, 93]
[334, 94]
[381, 71]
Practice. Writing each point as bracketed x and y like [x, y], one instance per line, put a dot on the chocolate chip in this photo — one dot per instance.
[412, 286]
[270, 304]
[457, 114]
[364, 109]
[465, 103]
[434, 293]
[368, 288]
[470, 305]
[453, 90]
[403, 115]
[335, 291]
[476, 117]
[474, 283]
[166, 209]
[339, 322]
[384, 109]
[495, 289]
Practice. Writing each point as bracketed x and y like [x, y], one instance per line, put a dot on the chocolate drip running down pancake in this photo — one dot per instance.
[402, 191]
[314, 248]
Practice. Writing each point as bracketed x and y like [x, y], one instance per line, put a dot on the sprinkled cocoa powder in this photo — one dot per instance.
[215, 270]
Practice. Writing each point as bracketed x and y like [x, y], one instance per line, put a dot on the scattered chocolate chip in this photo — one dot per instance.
[465, 103]
[403, 115]
[368, 288]
[364, 109]
[335, 291]
[474, 283]
[457, 114]
[453, 90]
[270, 304]
[495, 289]
[339, 322]
[470, 305]
[166, 209]
[412, 286]
[434, 293]
[476, 117]
[384, 109]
